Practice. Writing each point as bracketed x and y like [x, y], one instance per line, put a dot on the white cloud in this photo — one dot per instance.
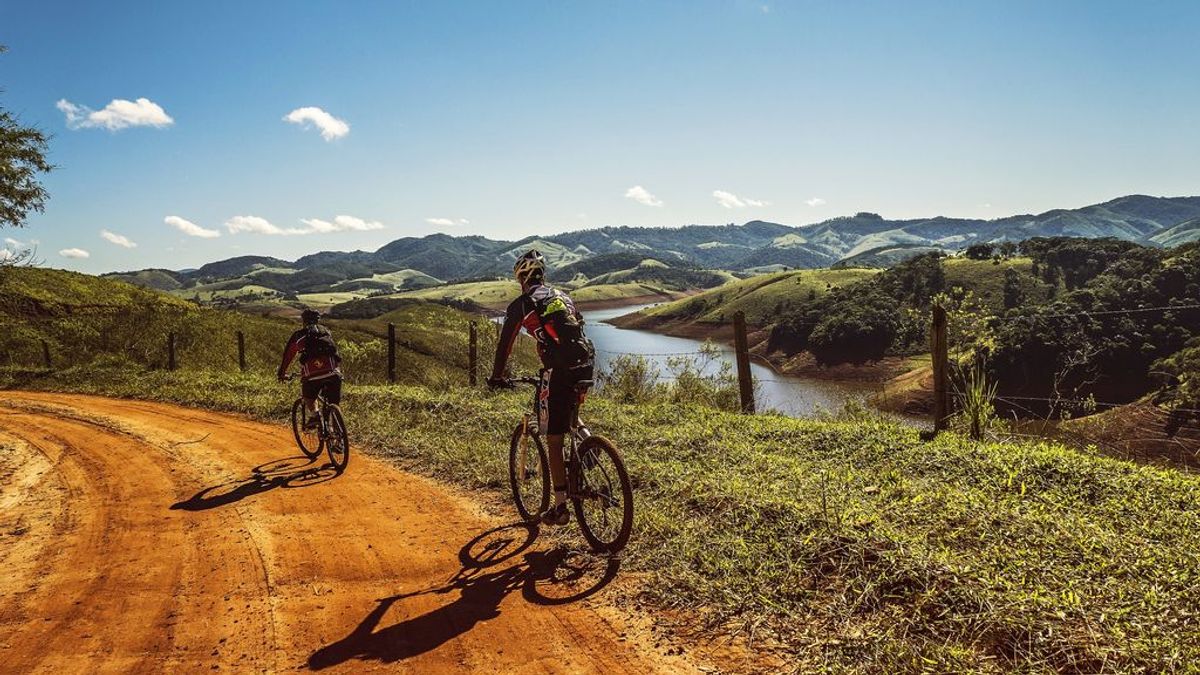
[341, 224]
[641, 195]
[189, 228]
[256, 225]
[74, 253]
[815, 201]
[732, 201]
[447, 222]
[330, 126]
[6, 254]
[118, 114]
[118, 239]
[9, 241]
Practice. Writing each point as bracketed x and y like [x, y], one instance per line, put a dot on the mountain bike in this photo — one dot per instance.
[598, 486]
[329, 434]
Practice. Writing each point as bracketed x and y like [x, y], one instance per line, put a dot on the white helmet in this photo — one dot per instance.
[529, 265]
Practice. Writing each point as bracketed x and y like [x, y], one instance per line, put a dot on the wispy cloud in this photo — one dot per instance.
[118, 239]
[815, 201]
[732, 201]
[257, 225]
[331, 127]
[341, 224]
[641, 195]
[117, 115]
[74, 253]
[189, 228]
[447, 222]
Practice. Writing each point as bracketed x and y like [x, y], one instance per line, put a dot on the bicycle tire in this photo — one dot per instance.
[605, 452]
[532, 492]
[299, 417]
[338, 440]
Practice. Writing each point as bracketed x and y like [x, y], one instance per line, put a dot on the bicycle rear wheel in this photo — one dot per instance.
[604, 496]
[309, 440]
[337, 441]
[528, 473]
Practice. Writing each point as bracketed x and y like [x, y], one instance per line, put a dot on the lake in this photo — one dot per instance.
[792, 396]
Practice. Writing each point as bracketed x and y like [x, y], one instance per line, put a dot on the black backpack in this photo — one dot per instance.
[318, 342]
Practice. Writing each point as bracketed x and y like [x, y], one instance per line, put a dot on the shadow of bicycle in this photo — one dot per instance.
[289, 472]
[495, 564]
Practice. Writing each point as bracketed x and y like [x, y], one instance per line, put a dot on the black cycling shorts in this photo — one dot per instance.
[331, 386]
[558, 399]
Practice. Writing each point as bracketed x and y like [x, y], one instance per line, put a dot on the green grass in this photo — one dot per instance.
[985, 279]
[763, 298]
[858, 545]
[87, 320]
[495, 294]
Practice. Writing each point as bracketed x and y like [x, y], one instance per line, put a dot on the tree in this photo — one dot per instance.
[1013, 295]
[980, 251]
[22, 159]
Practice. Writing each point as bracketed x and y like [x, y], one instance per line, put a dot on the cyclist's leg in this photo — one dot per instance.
[332, 387]
[558, 411]
[308, 391]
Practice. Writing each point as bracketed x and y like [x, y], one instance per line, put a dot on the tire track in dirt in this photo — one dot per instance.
[160, 538]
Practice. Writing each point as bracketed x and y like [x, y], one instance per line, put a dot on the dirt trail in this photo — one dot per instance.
[139, 537]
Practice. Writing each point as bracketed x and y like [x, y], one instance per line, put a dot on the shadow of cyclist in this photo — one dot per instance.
[289, 472]
[481, 588]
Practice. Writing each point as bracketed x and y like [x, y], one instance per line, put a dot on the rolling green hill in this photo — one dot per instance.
[94, 321]
[761, 297]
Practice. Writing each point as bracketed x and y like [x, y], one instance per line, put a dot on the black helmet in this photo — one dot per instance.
[310, 316]
[530, 265]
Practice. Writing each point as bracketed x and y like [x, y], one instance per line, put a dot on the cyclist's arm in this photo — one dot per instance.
[508, 337]
[289, 354]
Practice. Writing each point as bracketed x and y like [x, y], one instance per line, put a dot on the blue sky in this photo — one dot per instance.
[515, 118]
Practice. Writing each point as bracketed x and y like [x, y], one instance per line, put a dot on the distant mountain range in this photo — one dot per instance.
[865, 238]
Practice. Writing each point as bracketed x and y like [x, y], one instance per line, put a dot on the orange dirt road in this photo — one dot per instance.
[144, 537]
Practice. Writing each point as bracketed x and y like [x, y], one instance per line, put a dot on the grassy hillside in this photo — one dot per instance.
[985, 278]
[850, 543]
[762, 297]
[88, 320]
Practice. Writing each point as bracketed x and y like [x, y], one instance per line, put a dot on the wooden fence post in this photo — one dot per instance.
[473, 355]
[391, 352]
[941, 369]
[742, 349]
[171, 350]
[46, 354]
[241, 351]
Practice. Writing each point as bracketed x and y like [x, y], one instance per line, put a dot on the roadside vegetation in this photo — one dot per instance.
[848, 543]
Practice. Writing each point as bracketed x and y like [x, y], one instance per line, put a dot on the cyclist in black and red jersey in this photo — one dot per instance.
[319, 363]
[567, 356]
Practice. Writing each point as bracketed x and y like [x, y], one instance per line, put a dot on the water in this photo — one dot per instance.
[792, 396]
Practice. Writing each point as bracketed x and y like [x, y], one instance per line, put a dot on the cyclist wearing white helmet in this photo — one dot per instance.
[567, 356]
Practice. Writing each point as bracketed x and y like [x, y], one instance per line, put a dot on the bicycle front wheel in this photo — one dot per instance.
[528, 473]
[337, 441]
[603, 499]
[309, 440]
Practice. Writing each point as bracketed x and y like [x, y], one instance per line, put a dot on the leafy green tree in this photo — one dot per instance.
[980, 251]
[1013, 294]
[22, 160]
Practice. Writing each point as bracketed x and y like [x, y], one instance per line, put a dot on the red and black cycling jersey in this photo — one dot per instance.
[317, 351]
[549, 315]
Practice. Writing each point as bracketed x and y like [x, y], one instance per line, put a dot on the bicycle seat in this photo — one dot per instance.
[584, 385]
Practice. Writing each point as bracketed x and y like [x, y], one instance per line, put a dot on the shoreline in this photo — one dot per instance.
[800, 365]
